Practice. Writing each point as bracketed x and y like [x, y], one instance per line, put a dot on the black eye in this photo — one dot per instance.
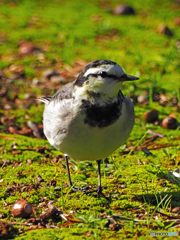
[103, 74]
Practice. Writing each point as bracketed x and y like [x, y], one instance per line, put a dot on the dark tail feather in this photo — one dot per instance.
[45, 100]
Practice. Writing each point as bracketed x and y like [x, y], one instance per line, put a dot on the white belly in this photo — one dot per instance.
[84, 142]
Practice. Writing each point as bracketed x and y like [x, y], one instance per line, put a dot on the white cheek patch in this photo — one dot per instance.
[114, 70]
[92, 71]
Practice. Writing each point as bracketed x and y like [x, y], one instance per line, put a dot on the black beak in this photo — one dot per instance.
[126, 77]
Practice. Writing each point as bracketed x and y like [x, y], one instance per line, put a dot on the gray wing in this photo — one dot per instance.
[58, 114]
[64, 93]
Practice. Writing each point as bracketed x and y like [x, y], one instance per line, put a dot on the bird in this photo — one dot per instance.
[89, 118]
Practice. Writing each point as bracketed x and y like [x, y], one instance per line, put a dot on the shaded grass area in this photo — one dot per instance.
[139, 185]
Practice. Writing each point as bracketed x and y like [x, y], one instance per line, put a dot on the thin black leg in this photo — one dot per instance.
[99, 190]
[74, 189]
[67, 168]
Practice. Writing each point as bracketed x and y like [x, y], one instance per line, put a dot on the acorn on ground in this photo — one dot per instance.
[123, 9]
[169, 122]
[151, 116]
[22, 208]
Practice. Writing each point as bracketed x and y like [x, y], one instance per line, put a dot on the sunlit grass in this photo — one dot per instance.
[65, 31]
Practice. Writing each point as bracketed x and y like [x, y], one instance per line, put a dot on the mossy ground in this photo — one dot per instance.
[88, 30]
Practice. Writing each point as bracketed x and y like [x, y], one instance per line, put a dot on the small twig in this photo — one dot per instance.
[16, 223]
[170, 217]
[176, 226]
[149, 140]
[155, 133]
[26, 149]
[150, 148]
[163, 146]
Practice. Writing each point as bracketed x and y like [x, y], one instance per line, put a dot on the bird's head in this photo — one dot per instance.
[102, 77]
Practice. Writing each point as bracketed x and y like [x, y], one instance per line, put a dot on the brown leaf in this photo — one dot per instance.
[39, 178]
[8, 138]
[32, 220]
[67, 224]
[15, 152]
[25, 131]
[176, 210]
[7, 120]
[5, 230]
[41, 149]
[71, 218]
[15, 130]
[36, 131]
[114, 226]
[96, 18]
[139, 162]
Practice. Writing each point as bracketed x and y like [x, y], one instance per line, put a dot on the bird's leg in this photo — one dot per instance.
[73, 189]
[67, 168]
[99, 189]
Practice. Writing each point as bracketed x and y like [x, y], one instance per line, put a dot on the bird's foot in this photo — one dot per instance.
[99, 190]
[88, 190]
[101, 194]
[84, 190]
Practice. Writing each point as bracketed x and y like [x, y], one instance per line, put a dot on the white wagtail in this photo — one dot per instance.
[89, 118]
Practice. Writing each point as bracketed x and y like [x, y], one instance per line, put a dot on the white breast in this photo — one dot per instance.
[83, 142]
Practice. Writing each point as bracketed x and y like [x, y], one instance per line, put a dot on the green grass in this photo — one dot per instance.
[66, 31]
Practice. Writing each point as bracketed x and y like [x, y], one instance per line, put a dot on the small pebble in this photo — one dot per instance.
[58, 79]
[176, 210]
[141, 98]
[48, 74]
[26, 48]
[177, 21]
[163, 99]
